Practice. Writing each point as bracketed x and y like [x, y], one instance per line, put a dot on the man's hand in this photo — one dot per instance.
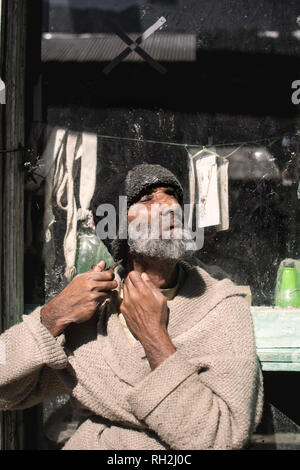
[146, 311]
[78, 302]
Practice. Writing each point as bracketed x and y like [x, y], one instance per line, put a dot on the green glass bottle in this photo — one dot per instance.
[288, 294]
[90, 250]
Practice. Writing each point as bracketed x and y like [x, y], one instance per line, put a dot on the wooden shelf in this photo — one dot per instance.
[277, 338]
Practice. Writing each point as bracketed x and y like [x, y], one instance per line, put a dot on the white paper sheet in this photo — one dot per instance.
[208, 207]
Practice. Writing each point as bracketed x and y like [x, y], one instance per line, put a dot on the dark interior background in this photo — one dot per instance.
[235, 89]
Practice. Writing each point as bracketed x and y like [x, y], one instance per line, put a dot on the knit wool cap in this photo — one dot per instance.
[145, 176]
[138, 180]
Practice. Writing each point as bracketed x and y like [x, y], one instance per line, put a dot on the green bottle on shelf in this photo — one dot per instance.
[288, 294]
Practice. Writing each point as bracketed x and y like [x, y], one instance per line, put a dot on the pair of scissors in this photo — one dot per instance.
[110, 267]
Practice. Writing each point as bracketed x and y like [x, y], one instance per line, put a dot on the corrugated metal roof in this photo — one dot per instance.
[105, 47]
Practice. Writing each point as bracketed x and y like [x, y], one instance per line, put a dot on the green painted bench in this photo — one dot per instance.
[277, 337]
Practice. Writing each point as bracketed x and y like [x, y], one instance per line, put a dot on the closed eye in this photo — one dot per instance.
[171, 192]
[146, 198]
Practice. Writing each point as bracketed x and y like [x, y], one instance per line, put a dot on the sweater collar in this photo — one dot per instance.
[196, 297]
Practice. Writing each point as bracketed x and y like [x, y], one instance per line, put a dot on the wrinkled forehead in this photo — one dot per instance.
[157, 188]
[156, 205]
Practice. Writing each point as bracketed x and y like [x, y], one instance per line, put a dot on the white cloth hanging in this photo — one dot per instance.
[223, 194]
[87, 175]
[2, 92]
[53, 151]
[208, 207]
[57, 162]
[208, 186]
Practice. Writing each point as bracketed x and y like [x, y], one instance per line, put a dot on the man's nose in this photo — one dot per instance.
[172, 207]
[172, 214]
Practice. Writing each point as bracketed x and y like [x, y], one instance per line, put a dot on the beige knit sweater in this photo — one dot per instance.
[206, 395]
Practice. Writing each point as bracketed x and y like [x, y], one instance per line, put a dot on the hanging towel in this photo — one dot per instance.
[71, 231]
[57, 165]
[208, 208]
[2, 92]
[208, 185]
[53, 153]
[88, 154]
[223, 164]
[87, 176]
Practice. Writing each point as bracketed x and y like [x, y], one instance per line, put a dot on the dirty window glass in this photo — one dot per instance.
[121, 82]
[202, 74]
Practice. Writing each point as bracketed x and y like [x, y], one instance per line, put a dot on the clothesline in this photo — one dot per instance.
[227, 144]
[240, 144]
[271, 141]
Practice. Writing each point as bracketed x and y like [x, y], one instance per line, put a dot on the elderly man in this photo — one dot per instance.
[159, 355]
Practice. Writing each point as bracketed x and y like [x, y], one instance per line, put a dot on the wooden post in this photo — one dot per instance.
[1, 146]
[12, 301]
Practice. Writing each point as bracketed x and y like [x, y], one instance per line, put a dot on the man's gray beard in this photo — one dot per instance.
[172, 248]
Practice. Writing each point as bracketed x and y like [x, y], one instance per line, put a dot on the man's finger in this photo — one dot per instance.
[148, 283]
[127, 297]
[130, 282]
[135, 279]
[134, 291]
[98, 267]
[102, 276]
[126, 293]
[105, 286]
